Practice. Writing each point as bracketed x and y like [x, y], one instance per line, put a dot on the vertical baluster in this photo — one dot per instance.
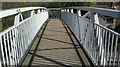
[18, 41]
[108, 47]
[96, 43]
[14, 45]
[93, 39]
[27, 32]
[105, 54]
[79, 29]
[8, 44]
[99, 45]
[2, 51]
[118, 59]
[12, 48]
[102, 45]
[21, 41]
[115, 50]
[6, 53]
[111, 50]
[24, 36]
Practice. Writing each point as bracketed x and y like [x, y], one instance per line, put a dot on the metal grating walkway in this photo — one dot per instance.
[56, 48]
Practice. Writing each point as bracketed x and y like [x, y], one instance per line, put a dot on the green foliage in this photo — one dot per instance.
[104, 3]
[118, 3]
[93, 3]
[117, 29]
[61, 4]
[7, 22]
[8, 5]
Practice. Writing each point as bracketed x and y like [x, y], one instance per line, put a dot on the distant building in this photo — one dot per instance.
[116, 7]
[109, 21]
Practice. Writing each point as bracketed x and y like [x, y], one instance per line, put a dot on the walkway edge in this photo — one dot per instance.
[83, 49]
[24, 56]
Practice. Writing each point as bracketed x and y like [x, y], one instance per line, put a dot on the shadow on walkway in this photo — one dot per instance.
[58, 50]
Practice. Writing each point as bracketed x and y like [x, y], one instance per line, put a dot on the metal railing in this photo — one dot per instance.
[101, 44]
[16, 40]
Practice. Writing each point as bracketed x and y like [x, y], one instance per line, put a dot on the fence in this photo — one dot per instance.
[101, 44]
[16, 40]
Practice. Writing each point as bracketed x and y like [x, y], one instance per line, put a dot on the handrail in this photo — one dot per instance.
[9, 12]
[107, 12]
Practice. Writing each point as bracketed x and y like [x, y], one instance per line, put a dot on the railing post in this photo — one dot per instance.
[67, 10]
[38, 11]
[95, 19]
[92, 17]
[32, 12]
[21, 16]
[45, 10]
[41, 10]
[79, 12]
[17, 19]
[71, 10]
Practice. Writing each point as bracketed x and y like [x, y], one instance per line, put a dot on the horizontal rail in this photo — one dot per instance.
[103, 11]
[5, 13]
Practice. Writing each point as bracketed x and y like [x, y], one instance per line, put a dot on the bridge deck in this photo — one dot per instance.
[55, 47]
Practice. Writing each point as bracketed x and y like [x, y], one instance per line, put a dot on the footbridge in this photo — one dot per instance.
[75, 38]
